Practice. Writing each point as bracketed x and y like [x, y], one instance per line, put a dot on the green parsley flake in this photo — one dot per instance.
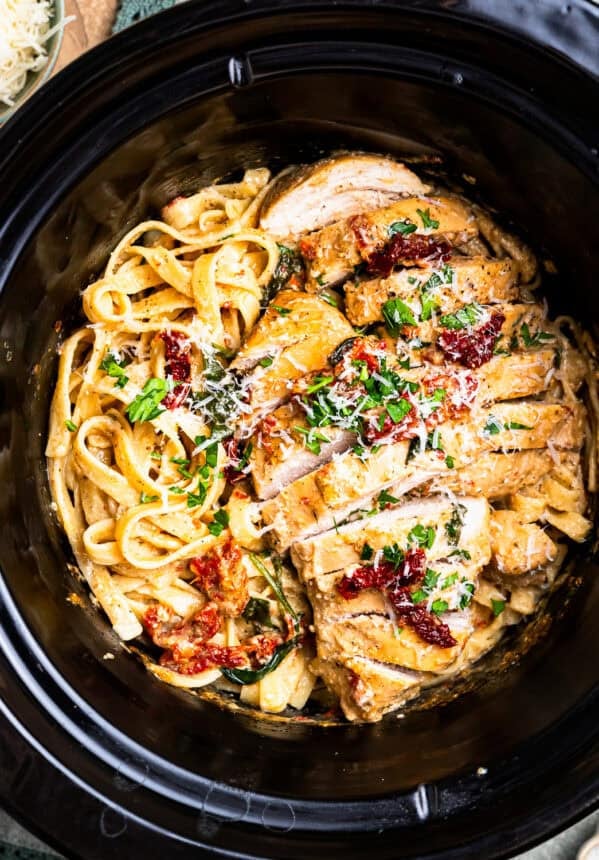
[219, 523]
[534, 339]
[145, 498]
[439, 606]
[330, 299]
[70, 425]
[466, 317]
[146, 405]
[319, 382]
[367, 552]
[114, 367]
[422, 536]
[449, 462]
[266, 361]
[427, 221]
[497, 606]
[515, 425]
[453, 527]
[283, 312]
[403, 228]
[398, 410]
[384, 499]
[397, 314]
[493, 426]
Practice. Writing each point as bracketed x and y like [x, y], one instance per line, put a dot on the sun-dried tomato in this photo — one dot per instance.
[407, 249]
[177, 355]
[474, 346]
[395, 581]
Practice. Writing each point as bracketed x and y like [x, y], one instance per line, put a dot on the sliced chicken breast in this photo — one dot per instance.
[306, 198]
[340, 548]
[332, 253]
[494, 475]
[285, 448]
[461, 281]
[325, 498]
[519, 547]
[294, 337]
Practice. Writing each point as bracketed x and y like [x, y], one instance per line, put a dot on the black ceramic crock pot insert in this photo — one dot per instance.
[97, 756]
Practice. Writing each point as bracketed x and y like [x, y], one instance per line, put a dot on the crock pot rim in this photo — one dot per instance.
[271, 6]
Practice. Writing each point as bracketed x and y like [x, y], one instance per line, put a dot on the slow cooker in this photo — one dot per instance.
[97, 756]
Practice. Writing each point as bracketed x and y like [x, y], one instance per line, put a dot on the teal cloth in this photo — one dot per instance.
[131, 11]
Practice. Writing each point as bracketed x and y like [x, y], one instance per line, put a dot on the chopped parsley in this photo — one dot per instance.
[433, 443]
[111, 365]
[156, 455]
[266, 361]
[312, 438]
[367, 552]
[403, 228]
[219, 522]
[319, 382]
[468, 592]
[429, 305]
[397, 314]
[439, 606]
[282, 312]
[146, 405]
[449, 462]
[497, 606]
[453, 527]
[534, 339]
[289, 264]
[330, 299]
[423, 536]
[384, 498]
[449, 580]
[515, 425]
[145, 498]
[427, 221]
[398, 410]
[210, 460]
[460, 553]
[493, 426]
[394, 555]
[70, 425]
[466, 317]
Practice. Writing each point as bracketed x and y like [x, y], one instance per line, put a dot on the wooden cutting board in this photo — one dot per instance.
[93, 23]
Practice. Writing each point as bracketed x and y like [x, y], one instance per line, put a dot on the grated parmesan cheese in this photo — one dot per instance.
[25, 32]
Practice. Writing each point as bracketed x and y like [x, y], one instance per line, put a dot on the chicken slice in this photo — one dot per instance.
[368, 689]
[325, 498]
[494, 475]
[521, 425]
[462, 281]
[520, 374]
[330, 254]
[339, 549]
[519, 547]
[280, 454]
[285, 447]
[294, 337]
[306, 198]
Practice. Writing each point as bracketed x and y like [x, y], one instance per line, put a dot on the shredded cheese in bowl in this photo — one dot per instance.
[24, 35]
